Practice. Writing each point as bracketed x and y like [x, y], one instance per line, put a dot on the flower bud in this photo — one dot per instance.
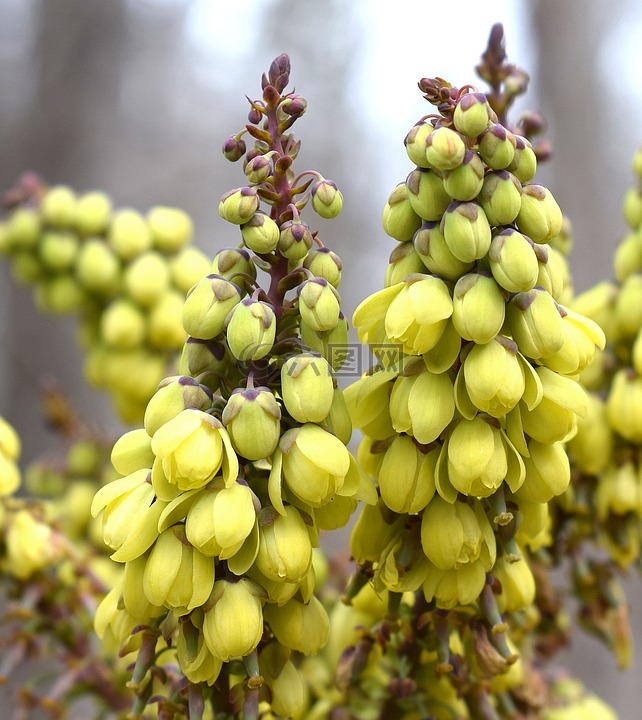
[535, 323]
[285, 552]
[194, 658]
[229, 263]
[472, 114]
[299, 626]
[323, 263]
[592, 446]
[430, 244]
[59, 294]
[29, 546]
[632, 208]
[220, 519]
[165, 322]
[624, 405]
[288, 689]
[187, 267]
[426, 194]
[258, 169]
[539, 216]
[123, 325]
[459, 586]
[454, 534]
[97, 267]
[497, 147]
[628, 256]
[307, 387]
[465, 182]
[132, 451]
[500, 197]
[403, 565]
[295, 239]
[582, 337]
[466, 230]
[628, 307]
[478, 308]
[513, 261]
[234, 148]
[261, 234]
[238, 206]
[92, 213]
[444, 149]
[406, 476]
[319, 304]
[176, 574]
[58, 206]
[233, 626]
[207, 306]
[494, 376]
[251, 329]
[190, 447]
[133, 594]
[147, 278]
[399, 220]
[415, 143]
[252, 417]
[171, 228]
[202, 356]
[524, 163]
[517, 583]
[10, 445]
[174, 395]
[338, 420]
[548, 472]
[58, 250]
[327, 200]
[129, 234]
[23, 229]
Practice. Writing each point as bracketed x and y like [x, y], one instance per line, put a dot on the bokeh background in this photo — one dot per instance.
[135, 97]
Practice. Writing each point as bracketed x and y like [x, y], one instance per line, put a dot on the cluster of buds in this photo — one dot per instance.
[466, 415]
[125, 274]
[242, 460]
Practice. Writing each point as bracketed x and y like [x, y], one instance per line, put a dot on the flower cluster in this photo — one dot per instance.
[125, 274]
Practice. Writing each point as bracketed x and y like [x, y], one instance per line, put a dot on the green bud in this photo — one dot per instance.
[418, 315]
[322, 262]
[25, 267]
[430, 244]
[229, 263]
[415, 143]
[494, 376]
[261, 234]
[465, 182]
[176, 574]
[466, 230]
[399, 220]
[477, 460]
[129, 234]
[338, 420]
[636, 163]
[307, 387]
[548, 472]
[455, 534]
[299, 626]
[207, 306]
[535, 323]
[319, 304]
[632, 208]
[288, 689]
[58, 207]
[221, 518]
[170, 227]
[628, 307]
[539, 216]
[175, 394]
[147, 278]
[524, 163]
[194, 658]
[58, 250]
[233, 626]
[375, 528]
[628, 256]
[123, 325]
[252, 417]
[285, 552]
[426, 193]
[444, 149]
[582, 337]
[187, 267]
[59, 294]
[98, 268]
[132, 451]
[165, 322]
[295, 239]
[333, 344]
[202, 356]
[478, 308]
[403, 261]
[22, 229]
[93, 213]
[513, 261]
[500, 197]
[517, 583]
[406, 476]
[624, 405]
[191, 448]
[251, 329]
[258, 169]
[133, 595]
[472, 114]
[497, 147]
[238, 206]
[327, 200]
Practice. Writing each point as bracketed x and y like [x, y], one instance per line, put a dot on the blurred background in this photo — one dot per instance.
[135, 97]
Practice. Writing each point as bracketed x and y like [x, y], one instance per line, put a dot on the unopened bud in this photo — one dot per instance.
[238, 206]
